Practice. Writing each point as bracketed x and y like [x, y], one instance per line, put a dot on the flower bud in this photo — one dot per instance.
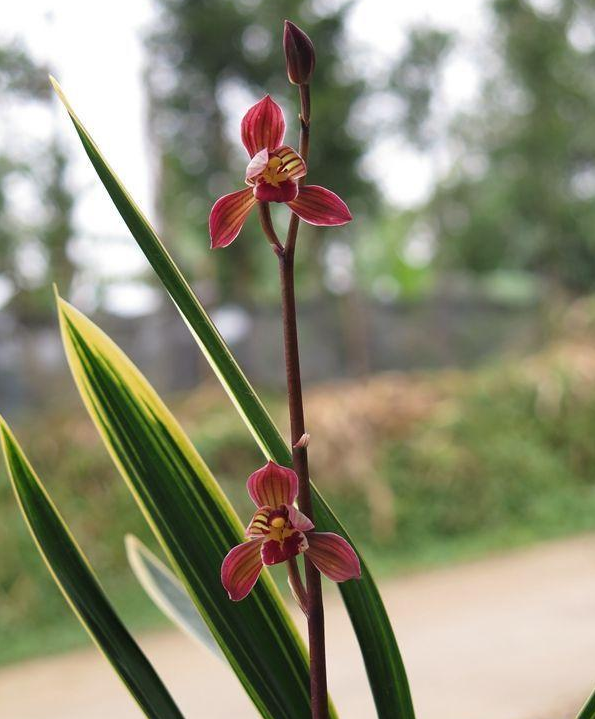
[299, 54]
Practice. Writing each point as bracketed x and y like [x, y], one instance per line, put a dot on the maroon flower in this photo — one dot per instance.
[271, 176]
[279, 531]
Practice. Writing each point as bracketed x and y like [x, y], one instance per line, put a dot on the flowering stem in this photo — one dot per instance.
[294, 221]
[318, 686]
[315, 609]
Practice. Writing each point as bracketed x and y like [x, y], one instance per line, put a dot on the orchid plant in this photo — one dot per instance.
[211, 556]
[277, 532]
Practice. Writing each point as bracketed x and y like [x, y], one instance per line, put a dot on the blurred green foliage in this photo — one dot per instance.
[496, 463]
[521, 196]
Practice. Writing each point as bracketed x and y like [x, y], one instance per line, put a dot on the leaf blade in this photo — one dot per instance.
[77, 582]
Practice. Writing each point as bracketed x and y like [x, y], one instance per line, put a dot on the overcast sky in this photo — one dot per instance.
[96, 52]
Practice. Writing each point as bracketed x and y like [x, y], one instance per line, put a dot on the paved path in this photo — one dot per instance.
[512, 637]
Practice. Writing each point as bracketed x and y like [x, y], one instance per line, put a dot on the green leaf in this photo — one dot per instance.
[168, 593]
[588, 710]
[190, 516]
[80, 587]
[368, 615]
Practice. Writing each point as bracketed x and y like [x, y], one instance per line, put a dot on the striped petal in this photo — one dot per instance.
[320, 206]
[259, 524]
[291, 162]
[274, 552]
[333, 556]
[257, 165]
[228, 216]
[273, 486]
[241, 568]
[298, 520]
[263, 126]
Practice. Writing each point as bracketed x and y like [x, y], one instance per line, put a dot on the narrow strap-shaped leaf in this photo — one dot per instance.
[80, 587]
[168, 593]
[190, 516]
[588, 710]
[386, 673]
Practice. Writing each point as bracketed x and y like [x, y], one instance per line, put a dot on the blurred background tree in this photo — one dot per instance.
[36, 206]
[520, 195]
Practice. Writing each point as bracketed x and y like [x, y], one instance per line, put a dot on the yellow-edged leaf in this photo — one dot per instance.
[75, 578]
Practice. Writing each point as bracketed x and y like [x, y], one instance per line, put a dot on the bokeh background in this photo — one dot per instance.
[447, 333]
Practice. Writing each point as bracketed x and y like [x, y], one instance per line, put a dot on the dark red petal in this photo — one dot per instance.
[298, 520]
[228, 216]
[320, 206]
[274, 552]
[291, 162]
[259, 526]
[263, 126]
[273, 486]
[333, 556]
[286, 191]
[241, 568]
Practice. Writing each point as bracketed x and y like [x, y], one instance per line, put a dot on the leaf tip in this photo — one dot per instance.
[60, 92]
[57, 89]
[4, 428]
[6, 438]
[132, 545]
[136, 556]
[62, 305]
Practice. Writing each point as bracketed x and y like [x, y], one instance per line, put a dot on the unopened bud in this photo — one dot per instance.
[299, 54]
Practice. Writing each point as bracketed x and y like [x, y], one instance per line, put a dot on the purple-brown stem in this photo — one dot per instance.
[315, 608]
[294, 221]
[318, 684]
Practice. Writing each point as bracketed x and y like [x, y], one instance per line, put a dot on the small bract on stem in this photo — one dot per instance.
[279, 531]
